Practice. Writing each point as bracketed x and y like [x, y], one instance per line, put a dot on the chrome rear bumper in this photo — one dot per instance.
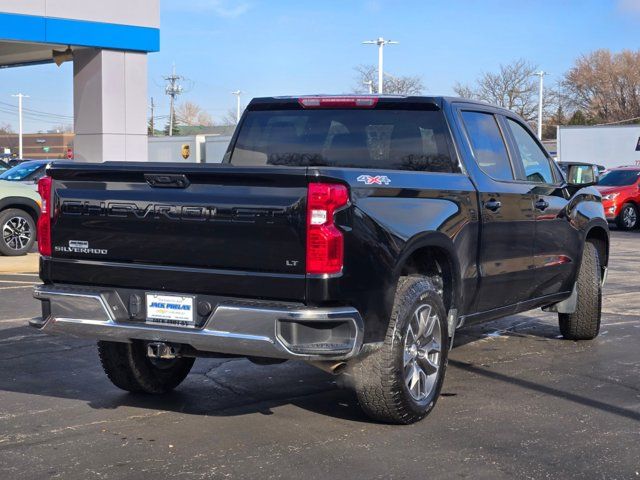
[241, 328]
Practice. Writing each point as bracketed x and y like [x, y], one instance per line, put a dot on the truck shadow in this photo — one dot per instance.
[64, 368]
[523, 326]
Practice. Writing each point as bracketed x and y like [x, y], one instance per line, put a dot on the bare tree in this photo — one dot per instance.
[397, 85]
[62, 128]
[605, 86]
[230, 118]
[513, 87]
[8, 139]
[191, 114]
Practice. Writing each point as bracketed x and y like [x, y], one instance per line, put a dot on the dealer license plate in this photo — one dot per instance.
[170, 310]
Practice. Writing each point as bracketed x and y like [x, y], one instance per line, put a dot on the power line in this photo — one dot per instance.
[37, 112]
[34, 117]
[617, 122]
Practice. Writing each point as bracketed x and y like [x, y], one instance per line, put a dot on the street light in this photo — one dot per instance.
[540, 74]
[381, 42]
[20, 97]
[237, 93]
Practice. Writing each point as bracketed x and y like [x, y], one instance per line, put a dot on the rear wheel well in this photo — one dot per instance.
[25, 208]
[433, 262]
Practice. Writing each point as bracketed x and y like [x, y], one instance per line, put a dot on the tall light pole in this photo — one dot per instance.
[540, 74]
[237, 93]
[381, 42]
[20, 96]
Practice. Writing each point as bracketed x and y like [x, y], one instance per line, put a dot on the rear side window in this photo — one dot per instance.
[536, 164]
[488, 145]
[352, 138]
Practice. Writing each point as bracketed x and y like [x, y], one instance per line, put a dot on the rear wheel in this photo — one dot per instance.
[584, 323]
[129, 368]
[628, 217]
[401, 381]
[17, 232]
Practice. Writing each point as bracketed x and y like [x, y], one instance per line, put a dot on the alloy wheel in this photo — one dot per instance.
[629, 217]
[422, 353]
[16, 233]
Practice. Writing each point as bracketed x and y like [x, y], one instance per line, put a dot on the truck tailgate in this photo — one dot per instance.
[242, 219]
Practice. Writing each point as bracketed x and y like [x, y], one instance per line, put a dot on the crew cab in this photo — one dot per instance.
[354, 233]
[620, 189]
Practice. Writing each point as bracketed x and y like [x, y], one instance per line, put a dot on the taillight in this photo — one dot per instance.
[338, 102]
[44, 221]
[325, 243]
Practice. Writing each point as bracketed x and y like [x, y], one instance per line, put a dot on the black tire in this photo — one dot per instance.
[628, 217]
[129, 368]
[584, 323]
[17, 232]
[379, 377]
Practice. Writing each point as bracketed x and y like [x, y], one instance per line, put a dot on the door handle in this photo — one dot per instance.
[541, 204]
[492, 205]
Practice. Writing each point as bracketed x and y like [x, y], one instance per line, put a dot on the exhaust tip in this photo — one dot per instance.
[334, 368]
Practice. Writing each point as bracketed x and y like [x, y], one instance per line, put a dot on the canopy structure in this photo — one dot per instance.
[108, 42]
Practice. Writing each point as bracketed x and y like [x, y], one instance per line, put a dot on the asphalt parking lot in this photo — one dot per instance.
[518, 402]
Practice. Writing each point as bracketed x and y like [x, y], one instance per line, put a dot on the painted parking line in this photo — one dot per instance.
[14, 274]
[17, 286]
[18, 282]
[7, 320]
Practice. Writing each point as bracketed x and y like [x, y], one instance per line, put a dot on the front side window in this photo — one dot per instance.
[488, 145]
[535, 163]
[351, 138]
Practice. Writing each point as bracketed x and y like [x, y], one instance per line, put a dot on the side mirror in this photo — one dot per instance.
[582, 175]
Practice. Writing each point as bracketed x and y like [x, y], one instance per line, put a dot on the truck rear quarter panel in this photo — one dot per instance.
[385, 224]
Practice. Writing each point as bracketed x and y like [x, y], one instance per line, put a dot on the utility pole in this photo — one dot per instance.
[381, 42]
[173, 89]
[153, 125]
[237, 93]
[540, 74]
[20, 96]
[369, 83]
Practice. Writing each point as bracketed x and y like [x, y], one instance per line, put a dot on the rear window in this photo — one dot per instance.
[619, 178]
[351, 138]
[21, 171]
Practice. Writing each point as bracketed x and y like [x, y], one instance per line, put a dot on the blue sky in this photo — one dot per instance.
[281, 47]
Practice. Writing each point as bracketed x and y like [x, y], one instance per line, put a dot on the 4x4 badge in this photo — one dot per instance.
[377, 180]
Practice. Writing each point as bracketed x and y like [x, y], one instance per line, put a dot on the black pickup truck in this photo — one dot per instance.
[354, 233]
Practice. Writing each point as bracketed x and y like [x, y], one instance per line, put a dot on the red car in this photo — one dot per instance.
[620, 188]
